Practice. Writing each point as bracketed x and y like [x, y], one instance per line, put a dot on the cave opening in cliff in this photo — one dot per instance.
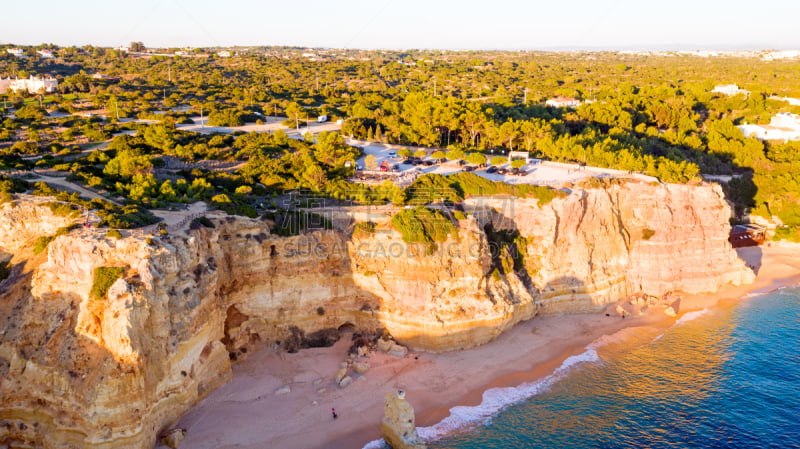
[347, 328]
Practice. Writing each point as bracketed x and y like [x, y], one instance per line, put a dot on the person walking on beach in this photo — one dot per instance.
[333, 412]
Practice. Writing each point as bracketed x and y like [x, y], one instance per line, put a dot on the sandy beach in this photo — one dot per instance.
[251, 412]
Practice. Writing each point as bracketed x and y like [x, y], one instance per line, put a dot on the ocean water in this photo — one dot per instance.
[726, 377]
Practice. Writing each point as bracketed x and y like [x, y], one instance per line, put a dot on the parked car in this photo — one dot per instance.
[502, 171]
[462, 163]
[408, 162]
[491, 169]
[429, 163]
[469, 168]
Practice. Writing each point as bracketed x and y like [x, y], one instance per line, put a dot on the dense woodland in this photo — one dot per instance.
[652, 114]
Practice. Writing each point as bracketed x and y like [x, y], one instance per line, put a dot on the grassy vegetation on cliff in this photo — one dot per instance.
[43, 242]
[433, 187]
[508, 249]
[63, 209]
[104, 277]
[423, 225]
[364, 228]
[113, 233]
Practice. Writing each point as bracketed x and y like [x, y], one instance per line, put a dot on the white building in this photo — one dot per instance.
[783, 126]
[729, 89]
[782, 54]
[791, 101]
[18, 52]
[33, 84]
[46, 54]
[224, 54]
[563, 102]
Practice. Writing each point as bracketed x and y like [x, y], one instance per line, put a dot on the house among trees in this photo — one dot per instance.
[783, 126]
[563, 102]
[33, 84]
[729, 90]
[18, 52]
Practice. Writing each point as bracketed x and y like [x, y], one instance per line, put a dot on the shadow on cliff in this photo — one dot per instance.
[752, 257]
[568, 294]
[42, 331]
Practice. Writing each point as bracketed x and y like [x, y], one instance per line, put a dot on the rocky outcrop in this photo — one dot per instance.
[598, 245]
[398, 427]
[25, 220]
[83, 372]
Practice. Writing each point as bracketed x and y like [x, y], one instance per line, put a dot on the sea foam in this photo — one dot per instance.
[690, 316]
[494, 400]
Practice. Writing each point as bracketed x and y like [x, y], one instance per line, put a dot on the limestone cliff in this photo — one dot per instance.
[598, 245]
[78, 371]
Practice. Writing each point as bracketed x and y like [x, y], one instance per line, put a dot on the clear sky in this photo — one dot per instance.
[406, 24]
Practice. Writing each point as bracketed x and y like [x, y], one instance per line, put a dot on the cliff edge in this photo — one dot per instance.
[105, 341]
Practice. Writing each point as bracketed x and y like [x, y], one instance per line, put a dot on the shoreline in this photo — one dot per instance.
[246, 412]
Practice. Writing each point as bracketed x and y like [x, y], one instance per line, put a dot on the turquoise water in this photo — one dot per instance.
[726, 377]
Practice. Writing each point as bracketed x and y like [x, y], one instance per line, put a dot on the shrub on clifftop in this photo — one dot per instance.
[104, 278]
[423, 225]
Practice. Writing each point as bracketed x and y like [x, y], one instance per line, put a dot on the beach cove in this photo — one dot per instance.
[247, 412]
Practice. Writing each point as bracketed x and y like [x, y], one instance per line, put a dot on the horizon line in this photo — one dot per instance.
[550, 48]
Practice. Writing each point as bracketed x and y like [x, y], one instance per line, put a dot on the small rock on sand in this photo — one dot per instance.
[669, 311]
[283, 390]
[384, 345]
[398, 351]
[173, 438]
[347, 380]
[340, 374]
[361, 367]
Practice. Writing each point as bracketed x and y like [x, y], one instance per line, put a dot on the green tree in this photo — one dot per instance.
[128, 163]
[499, 160]
[370, 162]
[294, 111]
[476, 158]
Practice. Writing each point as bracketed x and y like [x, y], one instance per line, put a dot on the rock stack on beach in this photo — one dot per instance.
[398, 427]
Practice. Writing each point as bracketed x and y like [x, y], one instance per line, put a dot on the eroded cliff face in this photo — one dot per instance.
[599, 245]
[82, 372]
